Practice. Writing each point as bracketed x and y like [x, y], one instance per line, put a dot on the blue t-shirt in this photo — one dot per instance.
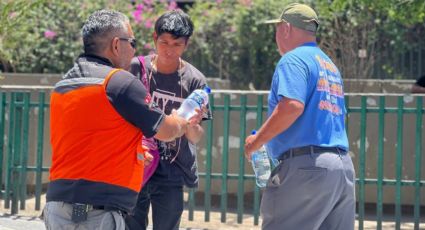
[308, 75]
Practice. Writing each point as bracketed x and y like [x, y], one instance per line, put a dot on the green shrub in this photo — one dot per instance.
[229, 42]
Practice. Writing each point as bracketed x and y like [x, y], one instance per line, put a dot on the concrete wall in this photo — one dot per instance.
[352, 86]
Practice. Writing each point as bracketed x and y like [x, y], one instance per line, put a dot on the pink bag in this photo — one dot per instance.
[149, 143]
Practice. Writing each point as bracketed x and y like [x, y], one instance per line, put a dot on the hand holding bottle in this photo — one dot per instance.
[196, 118]
[196, 100]
[250, 146]
[260, 164]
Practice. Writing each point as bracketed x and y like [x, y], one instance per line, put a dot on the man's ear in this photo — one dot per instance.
[288, 29]
[115, 46]
[154, 36]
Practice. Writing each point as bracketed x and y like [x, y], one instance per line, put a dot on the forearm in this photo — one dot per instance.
[284, 115]
[194, 133]
[171, 128]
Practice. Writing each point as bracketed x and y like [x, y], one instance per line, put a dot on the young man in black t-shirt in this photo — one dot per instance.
[170, 80]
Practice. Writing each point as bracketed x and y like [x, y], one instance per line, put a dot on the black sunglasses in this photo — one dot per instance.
[132, 41]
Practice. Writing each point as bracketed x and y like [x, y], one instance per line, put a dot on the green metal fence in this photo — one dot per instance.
[16, 112]
[393, 123]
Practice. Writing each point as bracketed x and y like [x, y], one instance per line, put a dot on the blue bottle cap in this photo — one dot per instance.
[207, 89]
[253, 132]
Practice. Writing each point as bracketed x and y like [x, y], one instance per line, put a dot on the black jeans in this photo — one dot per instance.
[167, 207]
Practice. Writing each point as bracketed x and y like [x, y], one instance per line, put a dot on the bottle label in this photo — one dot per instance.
[197, 98]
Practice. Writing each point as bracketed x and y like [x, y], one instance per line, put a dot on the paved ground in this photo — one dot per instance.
[28, 220]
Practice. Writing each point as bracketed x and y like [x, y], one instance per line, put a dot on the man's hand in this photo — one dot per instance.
[148, 158]
[195, 131]
[197, 118]
[172, 127]
[250, 146]
[183, 124]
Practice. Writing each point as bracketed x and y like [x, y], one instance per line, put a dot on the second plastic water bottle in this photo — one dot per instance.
[261, 165]
[194, 101]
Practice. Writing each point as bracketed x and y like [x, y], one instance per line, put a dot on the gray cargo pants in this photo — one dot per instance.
[309, 192]
[57, 216]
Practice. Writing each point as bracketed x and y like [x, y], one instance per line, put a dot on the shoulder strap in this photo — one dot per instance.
[143, 76]
[108, 77]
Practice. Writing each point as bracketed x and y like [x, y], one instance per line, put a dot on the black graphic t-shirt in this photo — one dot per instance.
[178, 165]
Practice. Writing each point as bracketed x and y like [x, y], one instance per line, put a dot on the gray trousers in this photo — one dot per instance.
[308, 192]
[57, 216]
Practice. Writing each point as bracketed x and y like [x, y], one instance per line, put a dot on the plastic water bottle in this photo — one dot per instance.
[194, 101]
[261, 165]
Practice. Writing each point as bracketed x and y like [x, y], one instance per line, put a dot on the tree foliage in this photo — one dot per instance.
[47, 37]
[229, 40]
[13, 14]
[380, 29]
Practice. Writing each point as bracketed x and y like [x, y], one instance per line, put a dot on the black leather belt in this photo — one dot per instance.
[89, 207]
[106, 208]
[295, 152]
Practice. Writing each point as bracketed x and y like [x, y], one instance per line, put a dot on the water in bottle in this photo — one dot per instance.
[261, 165]
[194, 101]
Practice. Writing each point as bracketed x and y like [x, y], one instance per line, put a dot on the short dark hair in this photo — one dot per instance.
[100, 27]
[175, 22]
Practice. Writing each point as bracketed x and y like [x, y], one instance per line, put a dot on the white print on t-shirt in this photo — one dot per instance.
[162, 97]
[164, 100]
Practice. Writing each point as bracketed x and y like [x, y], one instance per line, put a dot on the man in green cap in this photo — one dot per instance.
[312, 187]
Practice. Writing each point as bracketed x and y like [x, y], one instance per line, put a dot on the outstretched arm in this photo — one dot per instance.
[172, 127]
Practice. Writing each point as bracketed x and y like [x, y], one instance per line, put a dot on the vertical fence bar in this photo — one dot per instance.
[2, 127]
[40, 141]
[191, 203]
[9, 150]
[224, 165]
[380, 173]
[208, 166]
[24, 151]
[242, 136]
[399, 161]
[418, 160]
[17, 153]
[256, 188]
[362, 161]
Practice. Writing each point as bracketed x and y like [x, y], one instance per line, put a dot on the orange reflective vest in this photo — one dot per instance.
[97, 154]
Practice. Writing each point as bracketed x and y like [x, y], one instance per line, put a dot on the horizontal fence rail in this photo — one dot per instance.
[385, 135]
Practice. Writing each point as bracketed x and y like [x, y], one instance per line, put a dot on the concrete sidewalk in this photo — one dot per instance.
[8, 222]
[28, 220]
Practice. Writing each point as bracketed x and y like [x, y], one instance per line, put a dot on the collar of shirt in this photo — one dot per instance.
[96, 59]
[309, 44]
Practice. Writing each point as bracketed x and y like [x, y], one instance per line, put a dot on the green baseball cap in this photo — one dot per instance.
[299, 15]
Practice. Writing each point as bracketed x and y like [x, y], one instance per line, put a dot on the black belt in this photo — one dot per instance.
[106, 208]
[89, 207]
[295, 152]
